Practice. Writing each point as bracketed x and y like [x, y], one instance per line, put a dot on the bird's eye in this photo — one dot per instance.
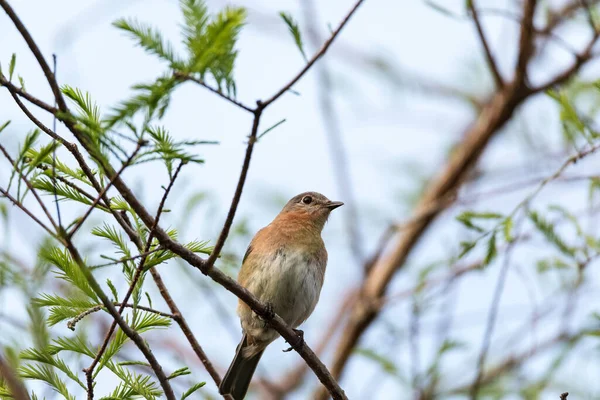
[307, 199]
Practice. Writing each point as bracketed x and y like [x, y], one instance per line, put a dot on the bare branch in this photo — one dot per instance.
[72, 323]
[314, 59]
[33, 100]
[488, 52]
[188, 77]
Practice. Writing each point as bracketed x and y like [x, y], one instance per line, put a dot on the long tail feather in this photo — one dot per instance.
[238, 376]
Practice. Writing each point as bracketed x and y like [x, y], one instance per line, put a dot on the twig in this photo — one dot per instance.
[29, 185]
[73, 322]
[188, 77]
[91, 208]
[37, 54]
[54, 159]
[122, 260]
[488, 52]
[238, 190]
[526, 48]
[32, 99]
[491, 322]
[333, 133]
[314, 59]
[183, 325]
[29, 213]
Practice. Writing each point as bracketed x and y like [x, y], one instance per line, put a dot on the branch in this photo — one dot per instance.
[37, 54]
[238, 190]
[34, 100]
[526, 36]
[73, 322]
[187, 77]
[314, 59]
[30, 186]
[488, 52]
[491, 322]
[580, 60]
[103, 192]
[29, 213]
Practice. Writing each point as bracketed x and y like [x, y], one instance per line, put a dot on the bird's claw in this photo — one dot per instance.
[299, 340]
[269, 313]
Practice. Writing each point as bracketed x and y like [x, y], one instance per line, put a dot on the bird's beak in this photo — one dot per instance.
[332, 205]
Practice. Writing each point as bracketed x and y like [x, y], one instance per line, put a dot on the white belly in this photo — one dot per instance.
[292, 283]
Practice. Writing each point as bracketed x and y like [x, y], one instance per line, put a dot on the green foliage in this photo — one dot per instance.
[151, 98]
[164, 147]
[11, 66]
[210, 42]
[68, 270]
[295, 31]
[4, 125]
[88, 121]
[468, 219]
[150, 40]
[386, 364]
[548, 230]
[491, 251]
[191, 390]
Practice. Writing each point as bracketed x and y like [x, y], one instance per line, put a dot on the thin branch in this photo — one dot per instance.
[17, 203]
[91, 208]
[334, 135]
[185, 328]
[491, 322]
[488, 52]
[73, 322]
[32, 99]
[37, 54]
[580, 60]
[30, 186]
[188, 77]
[122, 260]
[526, 42]
[238, 190]
[314, 59]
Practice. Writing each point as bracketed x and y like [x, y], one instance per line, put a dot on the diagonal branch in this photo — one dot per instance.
[486, 47]
[188, 77]
[315, 58]
[102, 193]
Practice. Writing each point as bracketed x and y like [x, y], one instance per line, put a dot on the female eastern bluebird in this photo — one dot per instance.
[284, 267]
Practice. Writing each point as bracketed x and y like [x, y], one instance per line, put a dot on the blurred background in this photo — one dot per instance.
[371, 124]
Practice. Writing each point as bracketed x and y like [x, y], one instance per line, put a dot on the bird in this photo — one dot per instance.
[284, 267]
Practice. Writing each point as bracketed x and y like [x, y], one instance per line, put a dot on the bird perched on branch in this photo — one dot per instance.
[284, 267]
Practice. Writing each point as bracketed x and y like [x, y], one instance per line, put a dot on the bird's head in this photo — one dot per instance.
[311, 207]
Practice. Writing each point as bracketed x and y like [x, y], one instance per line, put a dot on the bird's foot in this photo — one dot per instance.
[299, 340]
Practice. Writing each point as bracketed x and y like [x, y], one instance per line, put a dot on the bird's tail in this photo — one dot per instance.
[238, 376]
